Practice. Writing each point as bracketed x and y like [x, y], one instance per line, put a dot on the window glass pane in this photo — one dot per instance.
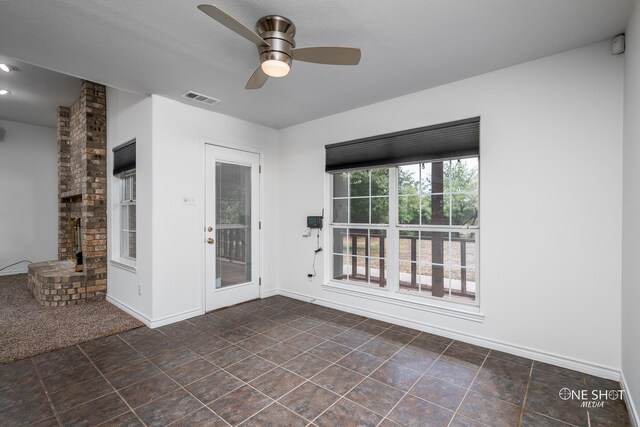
[340, 212]
[464, 209]
[131, 224]
[435, 209]
[377, 272]
[379, 210]
[408, 179]
[233, 224]
[463, 249]
[409, 210]
[133, 186]
[408, 245]
[471, 280]
[408, 275]
[359, 211]
[379, 182]
[340, 185]
[360, 272]
[341, 266]
[124, 246]
[461, 175]
[378, 241]
[434, 247]
[124, 217]
[125, 194]
[425, 178]
[359, 241]
[340, 241]
[359, 183]
[425, 210]
[131, 242]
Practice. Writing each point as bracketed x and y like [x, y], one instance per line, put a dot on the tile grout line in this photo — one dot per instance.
[229, 373]
[469, 389]
[368, 376]
[179, 387]
[53, 409]
[111, 385]
[524, 399]
[415, 382]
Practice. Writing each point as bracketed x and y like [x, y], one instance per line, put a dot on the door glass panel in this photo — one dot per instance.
[233, 224]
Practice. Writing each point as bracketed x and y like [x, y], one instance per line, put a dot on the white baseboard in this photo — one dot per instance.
[631, 407]
[12, 272]
[154, 323]
[124, 307]
[167, 320]
[270, 293]
[541, 356]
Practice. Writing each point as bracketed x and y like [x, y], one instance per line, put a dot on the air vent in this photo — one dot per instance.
[195, 96]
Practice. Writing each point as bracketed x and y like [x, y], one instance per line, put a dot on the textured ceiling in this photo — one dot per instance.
[167, 47]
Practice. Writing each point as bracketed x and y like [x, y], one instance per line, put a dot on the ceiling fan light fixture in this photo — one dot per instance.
[275, 68]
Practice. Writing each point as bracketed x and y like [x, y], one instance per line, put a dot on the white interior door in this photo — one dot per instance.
[232, 236]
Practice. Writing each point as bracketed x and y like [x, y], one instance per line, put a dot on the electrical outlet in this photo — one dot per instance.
[139, 289]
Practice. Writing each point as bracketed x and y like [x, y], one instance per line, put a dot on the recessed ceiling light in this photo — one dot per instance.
[7, 68]
[4, 92]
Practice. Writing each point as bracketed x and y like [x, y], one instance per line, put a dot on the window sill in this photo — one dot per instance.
[384, 295]
[125, 264]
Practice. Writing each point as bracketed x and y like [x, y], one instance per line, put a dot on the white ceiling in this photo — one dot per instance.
[36, 93]
[167, 47]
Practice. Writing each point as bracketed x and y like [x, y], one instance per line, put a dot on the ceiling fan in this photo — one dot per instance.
[277, 48]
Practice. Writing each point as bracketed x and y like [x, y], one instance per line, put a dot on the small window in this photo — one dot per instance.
[128, 215]
[124, 172]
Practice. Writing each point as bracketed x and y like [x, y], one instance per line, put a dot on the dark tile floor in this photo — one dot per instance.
[281, 362]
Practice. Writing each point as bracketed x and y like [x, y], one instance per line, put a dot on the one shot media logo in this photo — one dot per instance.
[590, 398]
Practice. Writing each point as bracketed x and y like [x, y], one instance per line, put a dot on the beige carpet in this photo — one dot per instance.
[27, 329]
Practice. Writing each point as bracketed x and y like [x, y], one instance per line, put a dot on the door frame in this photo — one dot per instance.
[203, 225]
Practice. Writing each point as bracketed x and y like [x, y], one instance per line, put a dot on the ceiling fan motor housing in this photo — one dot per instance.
[278, 31]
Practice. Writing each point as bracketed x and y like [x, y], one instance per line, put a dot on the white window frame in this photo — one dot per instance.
[119, 257]
[391, 293]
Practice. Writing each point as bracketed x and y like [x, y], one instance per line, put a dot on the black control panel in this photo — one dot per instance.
[314, 221]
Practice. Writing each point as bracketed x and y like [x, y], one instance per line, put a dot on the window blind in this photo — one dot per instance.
[124, 157]
[453, 139]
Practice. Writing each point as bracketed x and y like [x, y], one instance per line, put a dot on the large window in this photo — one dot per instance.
[404, 211]
[412, 228]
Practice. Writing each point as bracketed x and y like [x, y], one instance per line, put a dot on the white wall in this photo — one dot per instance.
[631, 214]
[550, 195]
[28, 195]
[129, 117]
[179, 135]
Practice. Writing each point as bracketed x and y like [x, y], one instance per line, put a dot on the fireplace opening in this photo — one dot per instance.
[76, 245]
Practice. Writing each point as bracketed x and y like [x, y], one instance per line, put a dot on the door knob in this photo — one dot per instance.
[209, 229]
[210, 241]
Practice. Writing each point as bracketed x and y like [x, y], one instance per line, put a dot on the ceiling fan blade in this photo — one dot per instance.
[257, 79]
[232, 23]
[328, 55]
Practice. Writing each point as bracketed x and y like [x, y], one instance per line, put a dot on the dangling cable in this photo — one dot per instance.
[315, 255]
[16, 263]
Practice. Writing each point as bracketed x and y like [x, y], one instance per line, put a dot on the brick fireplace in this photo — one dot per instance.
[82, 213]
